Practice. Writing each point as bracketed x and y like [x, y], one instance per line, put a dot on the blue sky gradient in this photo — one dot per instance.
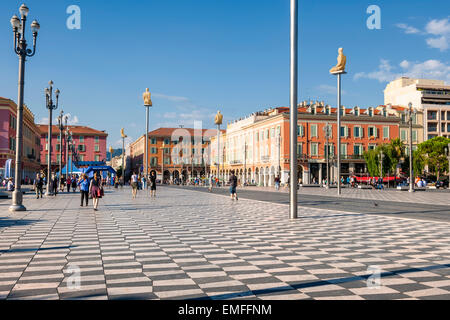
[198, 56]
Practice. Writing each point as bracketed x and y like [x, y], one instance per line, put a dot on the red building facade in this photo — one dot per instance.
[89, 146]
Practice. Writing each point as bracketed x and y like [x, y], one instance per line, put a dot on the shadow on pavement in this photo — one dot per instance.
[7, 222]
[318, 283]
[36, 249]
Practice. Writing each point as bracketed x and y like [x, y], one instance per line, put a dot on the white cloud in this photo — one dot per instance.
[170, 98]
[437, 32]
[327, 89]
[71, 120]
[430, 69]
[408, 29]
[128, 140]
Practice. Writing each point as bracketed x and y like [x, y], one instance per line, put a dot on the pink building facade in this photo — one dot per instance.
[89, 146]
[31, 140]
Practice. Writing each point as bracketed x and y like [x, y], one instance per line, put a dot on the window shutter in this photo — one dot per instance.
[361, 132]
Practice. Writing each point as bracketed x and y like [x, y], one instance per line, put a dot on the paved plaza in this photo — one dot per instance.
[191, 245]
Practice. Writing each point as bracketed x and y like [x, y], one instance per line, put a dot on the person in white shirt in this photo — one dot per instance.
[134, 185]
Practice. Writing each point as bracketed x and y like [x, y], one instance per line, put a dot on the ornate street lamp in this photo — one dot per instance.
[447, 152]
[61, 128]
[20, 48]
[327, 130]
[50, 106]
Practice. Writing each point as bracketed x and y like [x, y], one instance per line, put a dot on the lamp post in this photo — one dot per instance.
[409, 113]
[293, 195]
[327, 131]
[122, 133]
[50, 106]
[218, 121]
[162, 164]
[448, 157]
[381, 165]
[67, 150]
[20, 48]
[147, 104]
[61, 128]
[245, 162]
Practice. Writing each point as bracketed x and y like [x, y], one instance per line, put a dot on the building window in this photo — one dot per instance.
[153, 150]
[81, 157]
[403, 135]
[372, 131]
[372, 146]
[58, 147]
[81, 139]
[314, 149]
[97, 139]
[153, 141]
[344, 149]
[385, 132]
[82, 148]
[313, 130]
[358, 132]
[154, 161]
[356, 111]
[414, 135]
[370, 112]
[166, 141]
[344, 132]
[166, 160]
[299, 149]
[432, 127]
[97, 158]
[357, 150]
[96, 148]
[432, 115]
[300, 131]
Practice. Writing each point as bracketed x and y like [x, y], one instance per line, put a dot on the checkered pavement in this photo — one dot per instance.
[441, 197]
[190, 245]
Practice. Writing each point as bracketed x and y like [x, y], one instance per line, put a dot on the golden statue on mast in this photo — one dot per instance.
[218, 119]
[147, 98]
[342, 61]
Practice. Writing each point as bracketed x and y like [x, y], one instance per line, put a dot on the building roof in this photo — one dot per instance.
[76, 130]
[167, 132]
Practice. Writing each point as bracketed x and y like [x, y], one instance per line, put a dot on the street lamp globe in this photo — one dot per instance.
[15, 23]
[35, 26]
[24, 10]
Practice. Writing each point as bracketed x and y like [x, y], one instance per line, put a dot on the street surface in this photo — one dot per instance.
[187, 244]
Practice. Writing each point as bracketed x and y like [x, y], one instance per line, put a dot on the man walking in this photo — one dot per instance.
[233, 185]
[38, 185]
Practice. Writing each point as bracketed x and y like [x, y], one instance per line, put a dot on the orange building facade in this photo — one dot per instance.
[257, 147]
[173, 153]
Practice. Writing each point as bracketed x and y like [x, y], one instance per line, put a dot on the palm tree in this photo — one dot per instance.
[396, 153]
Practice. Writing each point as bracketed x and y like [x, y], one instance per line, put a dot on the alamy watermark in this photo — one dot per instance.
[74, 19]
[374, 280]
[73, 281]
[374, 20]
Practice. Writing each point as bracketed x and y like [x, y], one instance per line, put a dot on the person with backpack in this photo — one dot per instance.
[74, 183]
[233, 185]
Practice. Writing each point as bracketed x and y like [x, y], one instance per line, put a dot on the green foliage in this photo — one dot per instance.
[431, 153]
[371, 158]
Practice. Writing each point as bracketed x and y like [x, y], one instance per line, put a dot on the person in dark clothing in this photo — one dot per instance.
[96, 189]
[55, 185]
[233, 185]
[153, 184]
[74, 183]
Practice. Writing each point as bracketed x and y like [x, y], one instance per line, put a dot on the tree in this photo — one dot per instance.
[371, 158]
[431, 153]
[396, 152]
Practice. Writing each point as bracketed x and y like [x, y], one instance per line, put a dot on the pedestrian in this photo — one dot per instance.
[233, 185]
[84, 189]
[153, 184]
[74, 183]
[55, 185]
[61, 184]
[38, 186]
[134, 185]
[10, 185]
[277, 183]
[96, 190]
[211, 181]
[68, 184]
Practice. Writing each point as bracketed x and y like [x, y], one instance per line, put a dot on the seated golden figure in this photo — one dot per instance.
[342, 60]
[147, 98]
[218, 119]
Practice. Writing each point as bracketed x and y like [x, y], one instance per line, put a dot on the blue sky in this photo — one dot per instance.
[198, 56]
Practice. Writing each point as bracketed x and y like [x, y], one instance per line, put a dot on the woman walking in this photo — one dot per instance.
[95, 189]
[84, 189]
[134, 185]
[153, 184]
[74, 183]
